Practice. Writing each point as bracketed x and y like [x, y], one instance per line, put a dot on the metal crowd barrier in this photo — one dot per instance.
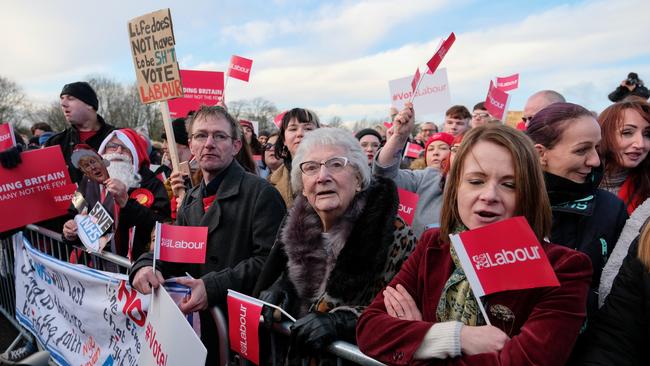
[51, 243]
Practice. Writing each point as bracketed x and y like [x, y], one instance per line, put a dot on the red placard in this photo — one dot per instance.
[388, 125]
[278, 119]
[413, 150]
[6, 136]
[437, 57]
[181, 244]
[407, 203]
[240, 68]
[496, 102]
[37, 189]
[508, 83]
[416, 80]
[199, 87]
[503, 256]
[243, 330]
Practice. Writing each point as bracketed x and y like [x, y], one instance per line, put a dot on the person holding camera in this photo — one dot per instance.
[632, 86]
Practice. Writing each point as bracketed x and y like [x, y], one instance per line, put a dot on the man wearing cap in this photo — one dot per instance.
[131, 193]
[79, 104]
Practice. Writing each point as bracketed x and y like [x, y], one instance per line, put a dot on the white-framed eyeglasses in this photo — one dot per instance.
[333, 165]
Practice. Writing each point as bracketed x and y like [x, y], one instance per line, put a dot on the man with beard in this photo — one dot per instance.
[242, 212]
[128, 190]
[79, 104]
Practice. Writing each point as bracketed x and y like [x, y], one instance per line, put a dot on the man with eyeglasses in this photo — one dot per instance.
[79, 104]
[242, 212]
[536, 103]
[480, 115]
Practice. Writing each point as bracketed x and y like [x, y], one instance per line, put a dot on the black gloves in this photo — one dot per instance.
[10, 158]
[275, 297]
[315, 331]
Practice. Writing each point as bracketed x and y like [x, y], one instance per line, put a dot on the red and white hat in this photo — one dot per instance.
[133, 142]
[83, 150]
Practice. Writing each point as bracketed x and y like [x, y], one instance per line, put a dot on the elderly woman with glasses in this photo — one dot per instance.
[340, 244]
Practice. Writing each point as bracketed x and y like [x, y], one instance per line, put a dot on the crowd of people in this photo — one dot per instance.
[307, 218]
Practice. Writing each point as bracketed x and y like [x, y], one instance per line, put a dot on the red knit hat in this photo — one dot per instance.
[134, 142]
[439, 136]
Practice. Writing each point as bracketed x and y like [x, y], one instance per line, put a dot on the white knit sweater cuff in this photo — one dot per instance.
[441, 341]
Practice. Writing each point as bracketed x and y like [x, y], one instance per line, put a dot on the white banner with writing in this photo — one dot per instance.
[431, 97]
[82, 316]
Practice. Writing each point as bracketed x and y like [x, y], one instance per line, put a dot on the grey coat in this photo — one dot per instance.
[426, 183]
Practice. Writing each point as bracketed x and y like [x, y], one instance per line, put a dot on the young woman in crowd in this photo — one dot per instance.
[620, 334]
[250, 137]
[585, 218]
[428, 311]
[437, 149]
[295, 124]
[269, 162]
[624, 149]
[370, 141]
[340, 244]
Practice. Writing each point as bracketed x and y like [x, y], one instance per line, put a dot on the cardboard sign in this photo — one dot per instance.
[37, 189]
[278, 119]
[243, 330]
[240, 68]
[92, 227]
[416, 80]
[496, 102]
[152, 42]
[168, 338]
[199, 87]
[508, 83]
[437, 57]
[7, 139]
[407, 203]
[181, 244]
[413, 150]
[432, 95]
[503, 256]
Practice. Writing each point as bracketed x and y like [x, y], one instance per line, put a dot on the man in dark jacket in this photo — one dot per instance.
[242, 212]
[129, 191]
[79, 104]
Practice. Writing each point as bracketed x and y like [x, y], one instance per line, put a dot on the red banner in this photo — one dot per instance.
[407, 203]
[243, 325]
[508, 83]
[416, 80]
[503, 256]
[278, 119]
[6, 136]
[181, 244]
[437, 57]
[413, 150]
[199, 87]
[37, 189]
[240, 68]
[496, 102]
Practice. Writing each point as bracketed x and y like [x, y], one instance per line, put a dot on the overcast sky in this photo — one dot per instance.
[337, 57]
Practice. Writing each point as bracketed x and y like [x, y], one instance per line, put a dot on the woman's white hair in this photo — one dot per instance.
[331, 137]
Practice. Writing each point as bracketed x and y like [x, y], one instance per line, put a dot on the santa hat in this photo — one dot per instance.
[82, 151]
[134, 142]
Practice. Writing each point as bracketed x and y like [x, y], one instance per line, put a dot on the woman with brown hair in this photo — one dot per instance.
[620, 335]
[295, 124]
[624, 151]
[428, 311]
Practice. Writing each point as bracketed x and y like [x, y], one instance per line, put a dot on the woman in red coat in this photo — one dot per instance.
[428, 314]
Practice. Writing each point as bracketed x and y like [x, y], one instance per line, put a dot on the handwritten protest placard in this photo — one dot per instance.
[431, 96]
[152, 44]
[38, 189]
[6, 136]
[199, 87]
[168, 337]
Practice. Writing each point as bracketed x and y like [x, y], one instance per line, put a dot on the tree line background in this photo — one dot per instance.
[120, 106]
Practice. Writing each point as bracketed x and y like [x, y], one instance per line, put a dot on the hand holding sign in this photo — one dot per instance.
[198, 299]
[145, 280]
[404, 122]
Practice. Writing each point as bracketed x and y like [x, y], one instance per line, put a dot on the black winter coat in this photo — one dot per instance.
[621, 334]
[586, 219]
[242, 223]
[69, 138]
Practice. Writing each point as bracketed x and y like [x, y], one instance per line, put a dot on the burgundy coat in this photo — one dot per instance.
[544, 327]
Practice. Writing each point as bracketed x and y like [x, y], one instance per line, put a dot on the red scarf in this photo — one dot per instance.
[627, 194]
[207, 201]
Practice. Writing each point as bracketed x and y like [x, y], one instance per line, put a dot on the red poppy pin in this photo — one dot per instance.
[142, 196]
